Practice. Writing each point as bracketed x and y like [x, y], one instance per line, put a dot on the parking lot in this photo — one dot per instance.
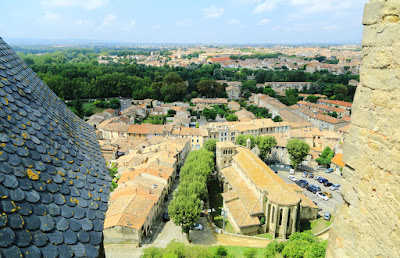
[326, 206]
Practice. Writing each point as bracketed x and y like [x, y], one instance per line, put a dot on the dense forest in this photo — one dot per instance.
[76, 74]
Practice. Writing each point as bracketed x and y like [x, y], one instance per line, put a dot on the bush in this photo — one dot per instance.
[221, 251]
[175, 249]
[273, 248]
[250, 253]
[152, 252]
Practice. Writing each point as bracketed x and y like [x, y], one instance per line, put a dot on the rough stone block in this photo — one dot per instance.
[383, 35]
[386, 80]
[372, 13]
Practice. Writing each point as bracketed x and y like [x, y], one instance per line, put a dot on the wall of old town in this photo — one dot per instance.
[368, 223]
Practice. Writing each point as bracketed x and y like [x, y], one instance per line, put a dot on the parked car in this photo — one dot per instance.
[329, 170]
[327, 216]
[327, 184]
[165, 217]
[321, 167]
[322, 196]
[291, 171]
[304, 182]
[317, 187]
[317, 178]
[197, 226]
[311, 175]
[322, 180]
[292, 178]
[305, 174]
[335, 187]
[328, 194]
[313, 188]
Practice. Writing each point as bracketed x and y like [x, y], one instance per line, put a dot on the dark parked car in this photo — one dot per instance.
[312, 188]
[303, 183]
[322, 180]
[165, 217]
[327, 183]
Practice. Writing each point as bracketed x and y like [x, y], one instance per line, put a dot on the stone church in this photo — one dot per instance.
[256, 199]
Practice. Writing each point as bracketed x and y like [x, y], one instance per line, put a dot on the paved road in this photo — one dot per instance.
[327, 206]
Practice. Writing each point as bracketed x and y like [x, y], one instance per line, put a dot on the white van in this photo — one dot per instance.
[291, 171]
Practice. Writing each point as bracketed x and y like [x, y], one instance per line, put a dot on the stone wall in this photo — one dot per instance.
[368, 223]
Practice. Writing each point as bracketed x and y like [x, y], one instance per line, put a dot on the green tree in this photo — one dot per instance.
[250, 253]
[172, 77]
[185, 211]
[325, 157]
[274, 248]
[298, 151]
[269, 91]
[277, 119]
[210, 145]
[304, 244]
[265, 144]
[312, 99]
[210, 88]
[221, 251]
[242, 140]
[232, 117]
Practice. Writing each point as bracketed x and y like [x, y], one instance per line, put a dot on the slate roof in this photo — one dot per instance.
[54, 184]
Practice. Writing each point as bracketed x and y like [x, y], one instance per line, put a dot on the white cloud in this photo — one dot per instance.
[84, 4]
[331, 27]
[108, 20]
[264, 22]
[233, 22]
[245, 2]
[184, 23]
[82, 22]
[156, 26]
[213, 12]
[266, 6]
[128, 26]
[318, 6]
[51, 16]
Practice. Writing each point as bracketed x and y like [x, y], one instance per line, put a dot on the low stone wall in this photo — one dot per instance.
[220, 231]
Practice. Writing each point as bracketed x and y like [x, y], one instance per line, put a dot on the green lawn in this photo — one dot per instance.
[156, 120]
[215, 199]
[89, 106]
[265, 235]
[239, 251]
[315, 225]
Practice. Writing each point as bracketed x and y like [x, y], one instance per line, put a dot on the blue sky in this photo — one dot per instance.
[185, 21]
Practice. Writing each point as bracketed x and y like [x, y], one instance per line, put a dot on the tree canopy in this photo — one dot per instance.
[186, 206]
[325, 157]
[242, 140]
[298, 151]
[265, 144]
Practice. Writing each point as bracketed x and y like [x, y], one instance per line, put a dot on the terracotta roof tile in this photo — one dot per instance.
[264, 178]
[338, 160]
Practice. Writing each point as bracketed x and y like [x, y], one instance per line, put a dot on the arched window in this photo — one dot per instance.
[288, 221]
[280, 217]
